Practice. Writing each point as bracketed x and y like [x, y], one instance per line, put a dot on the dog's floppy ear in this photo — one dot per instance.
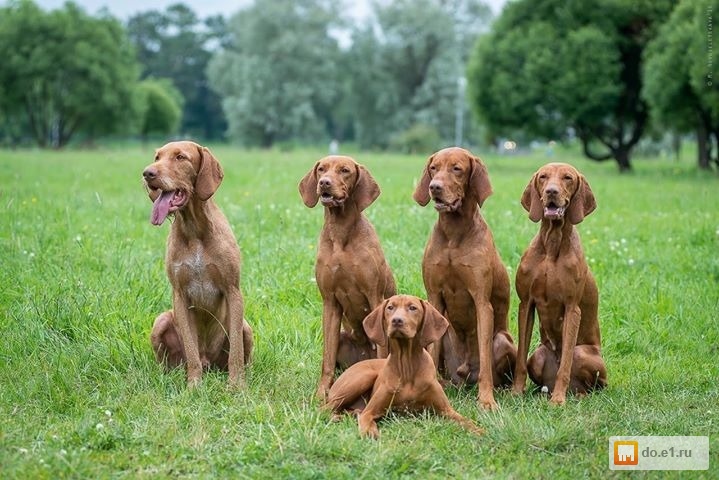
[366, 189]
[210, 175]
[582, 203]
[531, 201]
[433, 326]
[479, 180]
[421, 193]
[308, 187]
[373, 325]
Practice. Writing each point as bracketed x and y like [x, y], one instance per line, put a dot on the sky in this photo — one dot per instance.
[123, 9]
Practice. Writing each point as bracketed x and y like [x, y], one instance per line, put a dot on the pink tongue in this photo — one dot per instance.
[161, 208]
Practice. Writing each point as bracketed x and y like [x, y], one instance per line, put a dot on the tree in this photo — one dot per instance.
[678, 76]
[177, 45]
[159, 107]
[64, 72]
[406, 67]
[279, 74]
[552, 66]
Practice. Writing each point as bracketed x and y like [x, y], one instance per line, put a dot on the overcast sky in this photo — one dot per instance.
[204, 8]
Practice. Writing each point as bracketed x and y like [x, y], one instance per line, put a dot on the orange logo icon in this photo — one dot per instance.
[626, 452]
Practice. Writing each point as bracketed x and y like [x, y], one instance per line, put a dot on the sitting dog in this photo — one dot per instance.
[352, 274]
[553, 278]
[463, 274]
[407, 378]
[205, 327]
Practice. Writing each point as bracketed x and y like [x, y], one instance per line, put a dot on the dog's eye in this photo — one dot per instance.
[157, 157]
[568, 177]
[457, 169]
[432, 168]
[412, 308]
[345, 170]
[181, 157]
[390, 307]
[543, 176]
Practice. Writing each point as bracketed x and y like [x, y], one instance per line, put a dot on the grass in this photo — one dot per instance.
[82, 279]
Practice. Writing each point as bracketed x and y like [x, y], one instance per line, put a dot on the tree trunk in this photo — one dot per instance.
[267, 140]
[621, 155]
[616, 147]
[703, 146]
[676, 145]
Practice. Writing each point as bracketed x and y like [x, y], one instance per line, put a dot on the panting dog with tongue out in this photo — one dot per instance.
[206, 326]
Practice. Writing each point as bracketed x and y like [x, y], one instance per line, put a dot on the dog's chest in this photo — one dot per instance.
[195, 273]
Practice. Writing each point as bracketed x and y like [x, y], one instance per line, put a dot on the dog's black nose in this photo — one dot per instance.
[149, 174]
[397, 322]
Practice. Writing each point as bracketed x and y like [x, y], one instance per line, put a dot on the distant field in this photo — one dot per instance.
[82, 279]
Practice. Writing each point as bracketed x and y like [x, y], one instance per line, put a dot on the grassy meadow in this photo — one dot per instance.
[82, 279]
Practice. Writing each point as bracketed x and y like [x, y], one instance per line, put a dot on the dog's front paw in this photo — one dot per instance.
[370, 431]
[558, 399]
[488, 403]
[236, 383]
[322, 393]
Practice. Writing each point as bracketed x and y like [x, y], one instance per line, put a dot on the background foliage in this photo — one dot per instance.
[614, 75]
[63, 72]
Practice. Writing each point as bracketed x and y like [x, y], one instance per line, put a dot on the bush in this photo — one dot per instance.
[419, 138]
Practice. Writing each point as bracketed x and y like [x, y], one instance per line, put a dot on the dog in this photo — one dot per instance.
[463, 274]
[206, 326]
[554, 280]
[351, 271]
[407, 379]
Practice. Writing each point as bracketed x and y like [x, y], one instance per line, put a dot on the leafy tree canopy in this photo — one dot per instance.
[405, 67]
[279, 74]
[64, 72]
[159, 107]
[551, 67]
[177, 45]
[678, 71]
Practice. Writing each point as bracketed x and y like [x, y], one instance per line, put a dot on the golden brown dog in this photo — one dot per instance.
[352, 274]
[205, 327]
[407, 379]
[553, 278]
[463, 274]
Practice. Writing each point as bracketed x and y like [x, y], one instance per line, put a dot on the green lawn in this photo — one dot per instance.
[82, 279]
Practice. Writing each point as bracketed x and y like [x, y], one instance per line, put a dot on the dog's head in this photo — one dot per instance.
[558, 191]
[405, 317]
[336, 179]
[181, 170]
[452, 176]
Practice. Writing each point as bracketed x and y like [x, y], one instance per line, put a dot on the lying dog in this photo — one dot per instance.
[553, 278]
[205, 327]
[352, 274]
[407, 378]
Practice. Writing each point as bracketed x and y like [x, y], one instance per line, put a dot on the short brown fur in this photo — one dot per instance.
[205, 327]
[554, 280]
[463, 274]
[406, 380]
[351, 271]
